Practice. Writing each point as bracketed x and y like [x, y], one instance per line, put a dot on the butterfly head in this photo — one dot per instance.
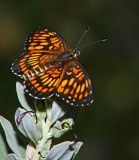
[76, 53]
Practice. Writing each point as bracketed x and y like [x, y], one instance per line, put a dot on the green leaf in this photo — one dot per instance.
[10, 136]
[58, 131]
[22, 150]
[3, 149]
[12, 157]
[40, 110]
[21, 96]
[39, 130]
[63, 151]
[26, 125]
[77, 148]
[69, 121]
[48, 105]
[57, 112]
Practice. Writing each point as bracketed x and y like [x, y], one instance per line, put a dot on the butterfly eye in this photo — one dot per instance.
[77, 53]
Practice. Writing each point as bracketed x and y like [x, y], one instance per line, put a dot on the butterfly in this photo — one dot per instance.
[49, 67]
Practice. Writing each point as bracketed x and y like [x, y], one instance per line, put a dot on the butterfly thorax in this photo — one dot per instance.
[67, 55]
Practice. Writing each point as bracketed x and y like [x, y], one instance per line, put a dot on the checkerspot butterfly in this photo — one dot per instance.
[49, 67]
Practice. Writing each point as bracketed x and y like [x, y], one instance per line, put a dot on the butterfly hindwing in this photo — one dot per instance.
[75, 86]
[43, 85]
[32, 64]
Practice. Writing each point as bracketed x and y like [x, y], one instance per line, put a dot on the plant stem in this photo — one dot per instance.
[46, 135]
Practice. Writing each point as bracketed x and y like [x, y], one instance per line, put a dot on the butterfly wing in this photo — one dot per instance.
[43, 85]
[42, 48]
[45, 39]
[75, 86]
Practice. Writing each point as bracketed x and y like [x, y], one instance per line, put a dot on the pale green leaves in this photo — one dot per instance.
[21, 96]
[3, 149]
[26, 125]
[49, 125]
[58, 130]
[12, 157]
[64, 151]
[10, 136]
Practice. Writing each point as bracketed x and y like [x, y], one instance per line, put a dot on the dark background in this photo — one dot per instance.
[109, 127]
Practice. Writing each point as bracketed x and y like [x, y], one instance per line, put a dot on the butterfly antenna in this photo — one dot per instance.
[87, 29]
[92, 43]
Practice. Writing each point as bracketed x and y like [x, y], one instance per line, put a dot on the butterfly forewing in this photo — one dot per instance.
[46, 40]
[75, 86]
[41, 50]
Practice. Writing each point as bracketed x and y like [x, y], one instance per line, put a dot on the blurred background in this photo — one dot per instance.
[109, 127]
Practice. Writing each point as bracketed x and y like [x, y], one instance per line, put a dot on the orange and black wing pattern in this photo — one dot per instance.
[46, 74]
[43, 85]
[41, 48]
[75, 86]
[69, 81]
[44, 39]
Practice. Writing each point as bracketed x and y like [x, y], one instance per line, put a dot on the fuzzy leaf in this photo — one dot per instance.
[77, 148]
[57, 112]
[39, 130]
[21, 96]
[40, 110]
[58, 131]
[62, 151]
[41, 114]
[12, 157]
[22, 150]
[48, 105]
[26, 125]
[10, 136]
[3, 149]
[69, 121]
